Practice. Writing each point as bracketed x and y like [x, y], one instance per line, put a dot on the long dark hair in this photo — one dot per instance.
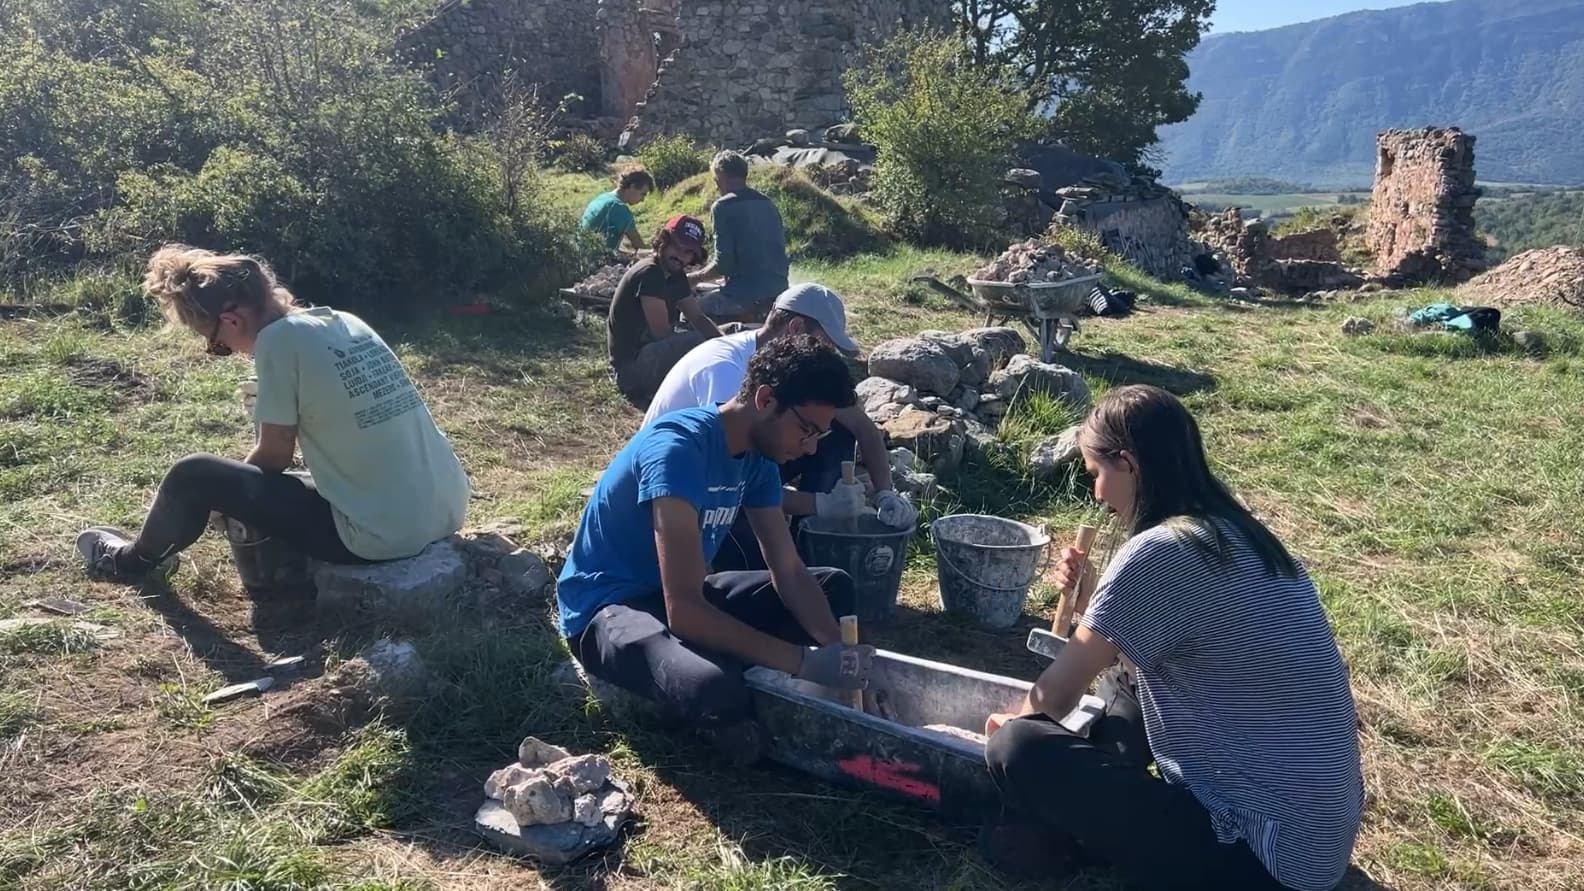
[1175, 484]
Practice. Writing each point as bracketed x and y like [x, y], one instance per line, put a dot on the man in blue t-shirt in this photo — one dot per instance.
[638, 605]
[610, 214]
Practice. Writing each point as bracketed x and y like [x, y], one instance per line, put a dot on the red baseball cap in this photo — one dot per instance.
[688, 232]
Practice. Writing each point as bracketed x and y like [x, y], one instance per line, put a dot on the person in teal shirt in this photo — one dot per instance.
[611, 213]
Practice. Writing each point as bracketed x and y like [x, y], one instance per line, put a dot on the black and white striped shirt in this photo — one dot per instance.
[1245, 698]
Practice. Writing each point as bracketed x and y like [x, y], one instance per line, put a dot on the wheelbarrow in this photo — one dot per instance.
[1049, 309]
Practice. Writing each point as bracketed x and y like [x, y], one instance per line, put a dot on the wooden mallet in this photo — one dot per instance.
[1073, 602]
[849, 633]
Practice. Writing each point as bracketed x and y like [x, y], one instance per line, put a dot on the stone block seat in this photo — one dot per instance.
[425, 580]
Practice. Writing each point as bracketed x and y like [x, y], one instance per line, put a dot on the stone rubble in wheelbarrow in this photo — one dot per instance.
[604, 281]
[552, 805]
[1033, 262]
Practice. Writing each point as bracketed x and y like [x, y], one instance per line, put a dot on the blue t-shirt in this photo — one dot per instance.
[683, 455]
[609, 216]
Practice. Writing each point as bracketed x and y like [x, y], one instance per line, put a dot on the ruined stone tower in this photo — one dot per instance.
[1421, 217]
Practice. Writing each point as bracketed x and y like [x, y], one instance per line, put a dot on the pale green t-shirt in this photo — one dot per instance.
[390, 475]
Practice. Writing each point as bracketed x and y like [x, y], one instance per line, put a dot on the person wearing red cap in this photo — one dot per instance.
[643, 340]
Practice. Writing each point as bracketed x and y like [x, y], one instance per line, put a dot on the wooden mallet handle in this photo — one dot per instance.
[849, 471]
[1068, 605]
[849, 633]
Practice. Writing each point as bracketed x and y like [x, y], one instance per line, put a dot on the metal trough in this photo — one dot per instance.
[885, 747]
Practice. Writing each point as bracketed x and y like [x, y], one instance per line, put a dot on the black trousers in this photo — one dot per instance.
[631, 646]
[1098, 793]
[818, 472]
[280, 505]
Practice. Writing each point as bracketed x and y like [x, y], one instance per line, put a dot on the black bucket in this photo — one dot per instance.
[265, 564]
[873, 553]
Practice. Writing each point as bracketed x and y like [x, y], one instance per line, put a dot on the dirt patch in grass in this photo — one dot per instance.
[107, 374]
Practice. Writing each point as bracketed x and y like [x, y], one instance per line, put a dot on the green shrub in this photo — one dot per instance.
[945, 129]
[578, 153]
[285, 128]
[672, 159]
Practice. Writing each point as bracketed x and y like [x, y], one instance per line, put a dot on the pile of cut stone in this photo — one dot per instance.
[938, 396]
[603, 282]
[552, 805]
[1035, 261]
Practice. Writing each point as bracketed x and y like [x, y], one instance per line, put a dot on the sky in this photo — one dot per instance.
[1257, 15]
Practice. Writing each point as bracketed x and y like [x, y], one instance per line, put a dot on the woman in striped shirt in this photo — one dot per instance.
[1243, 702]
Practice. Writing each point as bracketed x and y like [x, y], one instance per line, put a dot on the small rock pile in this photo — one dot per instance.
[938, 396]
[1035, 261]
[603, 282]
[1551, 276]
[553, 805]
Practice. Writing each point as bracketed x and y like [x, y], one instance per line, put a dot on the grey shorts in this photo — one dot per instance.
[639, 379]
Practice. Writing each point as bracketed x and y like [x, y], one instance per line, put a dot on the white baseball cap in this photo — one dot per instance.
[824, 306]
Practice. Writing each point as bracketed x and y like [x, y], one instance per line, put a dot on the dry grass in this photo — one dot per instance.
[1430, 483]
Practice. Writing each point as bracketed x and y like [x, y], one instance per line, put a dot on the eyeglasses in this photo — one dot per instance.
[810, 431]
[215, 347]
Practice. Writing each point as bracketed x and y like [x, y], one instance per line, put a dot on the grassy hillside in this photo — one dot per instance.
[1523, 222]
[1428, 481]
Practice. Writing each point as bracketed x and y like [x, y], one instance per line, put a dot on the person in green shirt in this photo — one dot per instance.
[611, 214]
[384, 483]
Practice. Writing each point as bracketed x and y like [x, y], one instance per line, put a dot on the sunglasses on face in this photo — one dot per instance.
[811, 433]
[215, 347]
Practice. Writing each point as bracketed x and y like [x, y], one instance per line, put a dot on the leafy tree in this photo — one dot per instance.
[945, 128]
[1110, 72]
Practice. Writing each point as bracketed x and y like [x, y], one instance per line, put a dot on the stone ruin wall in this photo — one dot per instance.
[726, 72]
[1150, 232]
[467, 45]
[1421, 218]
[748, 69]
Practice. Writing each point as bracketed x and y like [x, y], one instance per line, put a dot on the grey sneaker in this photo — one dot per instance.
[98, 546]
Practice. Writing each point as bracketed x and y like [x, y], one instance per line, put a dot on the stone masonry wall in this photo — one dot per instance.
[756, 68]
[1421, 220]
[552, 43]
[1151, 232]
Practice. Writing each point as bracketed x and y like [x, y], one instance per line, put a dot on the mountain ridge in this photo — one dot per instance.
[1304, 102]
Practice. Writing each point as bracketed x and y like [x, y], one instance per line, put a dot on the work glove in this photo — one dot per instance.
[248, 391]
[894, 510]
[841, 503]
[839, 666]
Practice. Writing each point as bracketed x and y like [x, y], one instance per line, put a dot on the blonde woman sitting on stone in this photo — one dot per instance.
[385, 481]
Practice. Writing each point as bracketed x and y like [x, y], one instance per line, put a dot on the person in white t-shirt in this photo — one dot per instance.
[385, 481]
[712, 372]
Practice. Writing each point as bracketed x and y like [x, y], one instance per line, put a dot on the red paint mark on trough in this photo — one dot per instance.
[898, 776]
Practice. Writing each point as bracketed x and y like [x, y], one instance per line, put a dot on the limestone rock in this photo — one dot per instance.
[524, 574]
[586, 810]
[1356, 325]
[424, 580]
[999, 343]
[920, 487]
[798, 138]
[1055, 454]
[584, 772]
[535, 801]
[1025, 178]
[847, 134]
[980, 440]
[902, 460]
[877, 392]
[535, 752]
[936, 439]
[1025, 374]
[386, 669]
[512, 774]
[915, 361]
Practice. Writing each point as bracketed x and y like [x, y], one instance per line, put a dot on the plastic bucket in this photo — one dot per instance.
[985, 565]
[266, 564]
[873, 553]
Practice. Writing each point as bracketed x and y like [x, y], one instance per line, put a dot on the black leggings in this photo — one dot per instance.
[280, 505]
[630, 645]
[1099, 793]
